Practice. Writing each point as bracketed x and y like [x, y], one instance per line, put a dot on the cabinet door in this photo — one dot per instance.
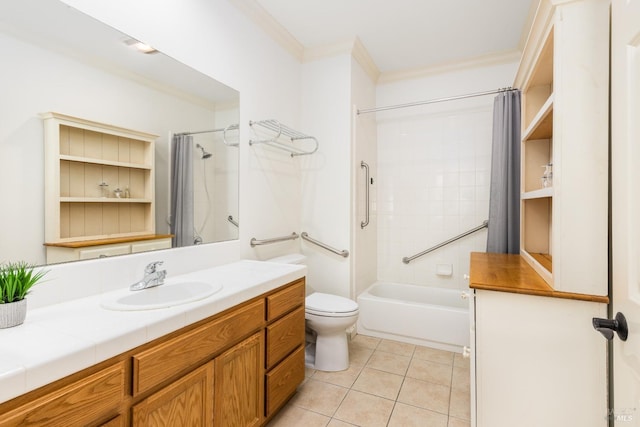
[239, 384]
[539, 362]
[186, 402]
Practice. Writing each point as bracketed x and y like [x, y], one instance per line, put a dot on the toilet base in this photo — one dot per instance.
[329, 353]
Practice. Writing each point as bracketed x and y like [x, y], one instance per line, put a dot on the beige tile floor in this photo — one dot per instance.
[388, 383]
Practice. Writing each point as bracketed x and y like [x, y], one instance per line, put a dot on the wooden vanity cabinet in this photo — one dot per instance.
[236, 368]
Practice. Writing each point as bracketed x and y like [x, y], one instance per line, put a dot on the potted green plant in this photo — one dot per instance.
[16, 279]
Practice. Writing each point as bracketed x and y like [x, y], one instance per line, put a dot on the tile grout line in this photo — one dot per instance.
[411, 358]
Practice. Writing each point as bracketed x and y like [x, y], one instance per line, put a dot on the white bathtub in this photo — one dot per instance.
[428, 316]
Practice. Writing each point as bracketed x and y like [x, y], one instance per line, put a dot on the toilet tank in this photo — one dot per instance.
[294, 259]
[289, 259]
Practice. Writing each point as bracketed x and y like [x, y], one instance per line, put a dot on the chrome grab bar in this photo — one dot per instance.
[407, 260]
[343, 253]
[233, 221]
[364, 223]
[256, 242]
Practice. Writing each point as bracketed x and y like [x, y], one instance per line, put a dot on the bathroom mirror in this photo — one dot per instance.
[57, 59]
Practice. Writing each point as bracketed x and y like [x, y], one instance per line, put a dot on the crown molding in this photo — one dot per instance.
[528, 23]
[479, 61]
[538, 33]
[353, 47]
[361, 55]
[326, 50]
[273, 28]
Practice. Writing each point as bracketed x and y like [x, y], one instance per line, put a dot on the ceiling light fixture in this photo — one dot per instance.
[140, 46]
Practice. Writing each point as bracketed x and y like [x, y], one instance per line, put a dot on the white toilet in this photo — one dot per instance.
[327, 319]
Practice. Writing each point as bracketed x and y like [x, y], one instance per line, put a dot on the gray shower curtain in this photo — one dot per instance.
[504, 198]
[182, 190]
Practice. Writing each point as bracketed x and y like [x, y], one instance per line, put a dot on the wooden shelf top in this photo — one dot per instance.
[511, 273]
[110, 241]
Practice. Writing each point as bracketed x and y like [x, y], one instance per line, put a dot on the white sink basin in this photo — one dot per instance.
[163, 296]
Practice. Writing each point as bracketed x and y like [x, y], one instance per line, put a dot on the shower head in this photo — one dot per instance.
[205, 154]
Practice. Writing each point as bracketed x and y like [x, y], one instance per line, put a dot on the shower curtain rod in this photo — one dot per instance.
[230, 127]
[433, 101]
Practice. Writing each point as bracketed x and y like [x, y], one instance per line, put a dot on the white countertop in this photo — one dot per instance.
[61, 339]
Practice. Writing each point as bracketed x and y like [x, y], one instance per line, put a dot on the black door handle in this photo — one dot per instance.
[607, 327]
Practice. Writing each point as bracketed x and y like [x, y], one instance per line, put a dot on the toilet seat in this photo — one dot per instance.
[328, 305]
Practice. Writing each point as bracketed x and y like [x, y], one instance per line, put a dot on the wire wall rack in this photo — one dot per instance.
[272, 131]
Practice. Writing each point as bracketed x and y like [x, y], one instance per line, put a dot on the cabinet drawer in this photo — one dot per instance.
[78, 404]
[104, 251]
[159, 363]
[150, 245]
[284, 335]
[282, 380]
[283, 301]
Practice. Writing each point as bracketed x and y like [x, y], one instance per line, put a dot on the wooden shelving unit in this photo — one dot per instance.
[564, 83]
[99, 183]
[537, 151]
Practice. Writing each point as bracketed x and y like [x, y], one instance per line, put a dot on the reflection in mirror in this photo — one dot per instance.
[66, 62]
[200, 175]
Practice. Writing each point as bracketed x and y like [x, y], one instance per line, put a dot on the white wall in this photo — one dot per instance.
[280, 194]
[365, 147]
[42, 81]
[326, 176]
[216, 39]
[433, 173]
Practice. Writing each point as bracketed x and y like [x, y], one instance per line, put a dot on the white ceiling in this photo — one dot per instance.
[402, 35]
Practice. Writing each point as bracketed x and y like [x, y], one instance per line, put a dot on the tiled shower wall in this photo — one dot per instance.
[432, 184]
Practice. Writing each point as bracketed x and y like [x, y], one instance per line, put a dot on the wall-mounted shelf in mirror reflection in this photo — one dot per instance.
[75, 207]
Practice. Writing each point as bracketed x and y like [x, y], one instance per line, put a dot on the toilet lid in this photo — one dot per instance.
[326, 303]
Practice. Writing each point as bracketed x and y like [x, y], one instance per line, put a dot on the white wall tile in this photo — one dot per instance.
[437, 162]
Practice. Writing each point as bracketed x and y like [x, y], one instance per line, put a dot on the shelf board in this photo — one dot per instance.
[69, 243]
[541, 126]
[538, 194]
[101, 200]
[104, 162]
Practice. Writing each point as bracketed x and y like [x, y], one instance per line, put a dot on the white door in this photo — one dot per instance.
[625, 169]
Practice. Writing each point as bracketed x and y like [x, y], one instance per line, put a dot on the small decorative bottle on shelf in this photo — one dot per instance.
[104, 189]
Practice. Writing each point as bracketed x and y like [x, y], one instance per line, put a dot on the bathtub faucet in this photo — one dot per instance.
[152, 277]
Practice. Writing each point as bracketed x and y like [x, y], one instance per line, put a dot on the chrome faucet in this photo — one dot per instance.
[152, 277]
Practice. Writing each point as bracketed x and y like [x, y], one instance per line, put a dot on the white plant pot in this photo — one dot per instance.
[13, 313]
